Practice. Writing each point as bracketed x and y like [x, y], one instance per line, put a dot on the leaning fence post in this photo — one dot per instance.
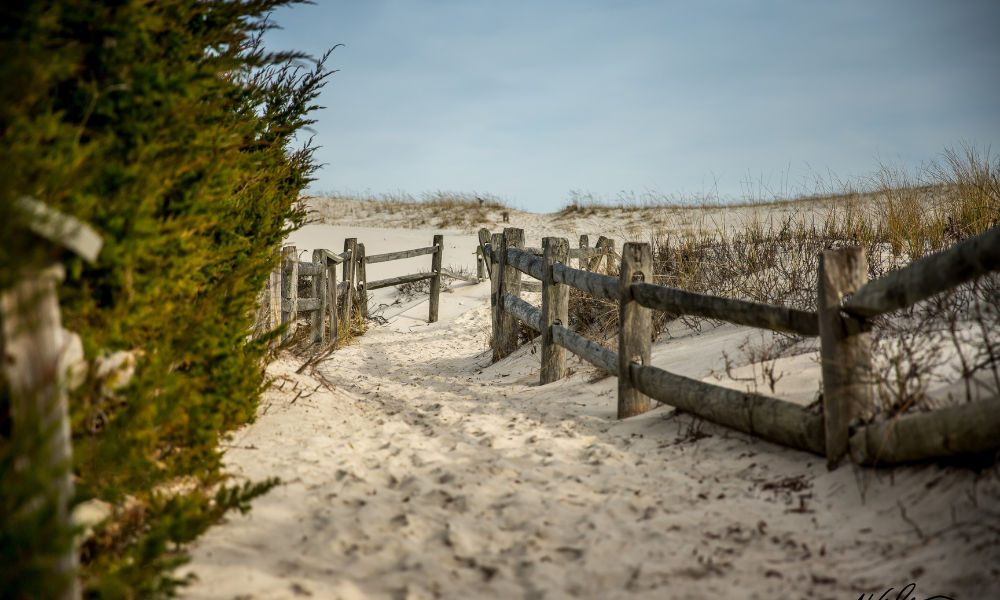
[331, 303]
[555, 309]
[438, 243]
[512, 238]
[361, 277]
[635, 328]
[290, 291]
[318, 333]
[600, 249]
[496, 290]
[350, 246]
[609, 264]
[584, 260]
[845, 349]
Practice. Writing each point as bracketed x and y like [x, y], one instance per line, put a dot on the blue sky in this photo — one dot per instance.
[530, 100]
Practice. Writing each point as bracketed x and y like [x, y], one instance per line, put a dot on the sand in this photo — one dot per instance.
[414, 468]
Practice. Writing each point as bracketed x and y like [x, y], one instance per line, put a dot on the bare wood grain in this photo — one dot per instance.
[769, 418]
[523, 311]
[524, 262]
[635, 328]
[435, 302]
[318, 332]
[289, 291]
[602, 286]
[740, 312]
[555, 310]
[378, 258]
[969, 428]
[845, 352]
[496, 288]
[928, 276]
[384, 283]
[592, 352]
[513, 239]
[350, 245]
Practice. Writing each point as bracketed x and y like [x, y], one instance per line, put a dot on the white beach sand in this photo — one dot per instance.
[417, 469]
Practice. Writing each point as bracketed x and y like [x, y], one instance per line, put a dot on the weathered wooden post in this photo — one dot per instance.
[331, 302]
[33, 342]
[435, 302]
[601, 248]
[350, 246]
[496, 289]
[584, 260]
[362, 280]
[318, 333]
[511, 277]
[845, 349]
[635, 328]
[480, 264]
[289, 291]
[38, 355]
[274, 298]
[555, 309]
[609, 263]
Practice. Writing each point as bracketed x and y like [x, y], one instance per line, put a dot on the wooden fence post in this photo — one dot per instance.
[436, 258]
[480, 265]
[274, 298]
[555, 309]
[584, 245]
[595, 261]
[509, 325]
[318, 333]
[361, 278]
[845, 349]
[496, 291]
[331, 302]
[290, 290]
[350, 245]
[33, 341]
[609, 262]
[635, 328]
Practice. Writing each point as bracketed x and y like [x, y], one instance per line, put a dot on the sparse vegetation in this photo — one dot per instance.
[896, 215]
[464, 211]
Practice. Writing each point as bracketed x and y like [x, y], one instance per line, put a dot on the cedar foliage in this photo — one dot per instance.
[168, 128]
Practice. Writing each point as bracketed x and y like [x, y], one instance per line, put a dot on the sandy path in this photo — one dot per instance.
[428, 473]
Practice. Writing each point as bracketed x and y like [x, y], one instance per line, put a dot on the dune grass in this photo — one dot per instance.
[768, 251]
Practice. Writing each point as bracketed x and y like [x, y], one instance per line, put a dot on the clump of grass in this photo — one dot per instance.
[466, 211]
[409, 291]
[973, 180]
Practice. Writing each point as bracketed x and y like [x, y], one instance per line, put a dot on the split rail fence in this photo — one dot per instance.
[327, 295]
[842, 326]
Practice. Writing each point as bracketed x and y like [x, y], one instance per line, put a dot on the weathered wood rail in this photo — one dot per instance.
[351, 293]
[843, 329]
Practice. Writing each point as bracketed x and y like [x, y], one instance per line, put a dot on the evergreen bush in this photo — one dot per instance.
[168, 128]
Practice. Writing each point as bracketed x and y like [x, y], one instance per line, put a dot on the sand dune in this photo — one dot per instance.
[414, 468]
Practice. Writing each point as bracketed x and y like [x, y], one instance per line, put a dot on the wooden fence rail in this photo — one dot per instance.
[842, 327]
[352, 292]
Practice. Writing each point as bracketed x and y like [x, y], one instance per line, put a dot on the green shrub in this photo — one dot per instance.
[169, 129]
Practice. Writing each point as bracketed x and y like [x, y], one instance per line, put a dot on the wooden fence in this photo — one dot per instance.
[351, 293]
[843, 328]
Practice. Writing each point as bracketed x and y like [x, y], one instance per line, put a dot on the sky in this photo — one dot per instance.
[732, 100]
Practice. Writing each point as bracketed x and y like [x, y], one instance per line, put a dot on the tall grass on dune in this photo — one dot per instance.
[897, 216]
